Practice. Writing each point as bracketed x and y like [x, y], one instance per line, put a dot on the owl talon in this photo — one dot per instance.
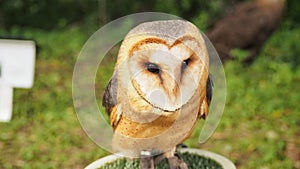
[147, 161]
[177, 163]
[158, 159]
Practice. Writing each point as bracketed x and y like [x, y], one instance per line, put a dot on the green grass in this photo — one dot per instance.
[261, 113]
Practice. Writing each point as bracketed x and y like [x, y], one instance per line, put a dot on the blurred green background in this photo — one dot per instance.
[260, 125]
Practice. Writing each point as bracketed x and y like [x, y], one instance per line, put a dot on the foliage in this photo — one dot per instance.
[292, 12]
[194, 10]
[261, 113]
[47, 14]
[41, 14]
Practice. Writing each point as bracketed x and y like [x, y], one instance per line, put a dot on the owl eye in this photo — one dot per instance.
[185, 64]
[153, 68]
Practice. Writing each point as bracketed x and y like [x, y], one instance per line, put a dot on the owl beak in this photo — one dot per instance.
[169, 98]
[173, 89]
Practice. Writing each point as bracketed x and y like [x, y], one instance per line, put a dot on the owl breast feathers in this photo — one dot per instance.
[160, 86]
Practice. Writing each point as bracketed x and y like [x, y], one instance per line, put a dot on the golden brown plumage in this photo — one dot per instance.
[159, 87]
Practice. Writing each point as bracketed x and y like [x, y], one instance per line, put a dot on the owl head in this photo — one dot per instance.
[166, 62]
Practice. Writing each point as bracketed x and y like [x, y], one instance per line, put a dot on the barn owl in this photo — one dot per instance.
[159, 88]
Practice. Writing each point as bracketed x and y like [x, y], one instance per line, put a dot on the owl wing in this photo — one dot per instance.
[206, 102]
[209, 88]
[109, 100]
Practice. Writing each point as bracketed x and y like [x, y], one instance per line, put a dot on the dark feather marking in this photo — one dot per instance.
[109, 99]
[209, 88]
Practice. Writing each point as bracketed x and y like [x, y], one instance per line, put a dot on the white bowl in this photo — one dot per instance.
[223, 161]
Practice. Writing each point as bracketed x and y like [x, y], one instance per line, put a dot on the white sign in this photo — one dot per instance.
[17, 58]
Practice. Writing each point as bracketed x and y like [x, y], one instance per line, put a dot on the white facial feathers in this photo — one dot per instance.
[165, 67]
